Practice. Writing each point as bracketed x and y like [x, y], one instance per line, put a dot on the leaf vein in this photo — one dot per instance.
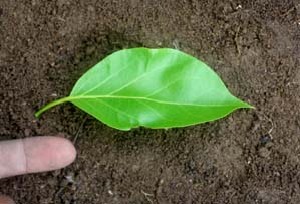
[157, 113]
[105, 80]
[117, 110]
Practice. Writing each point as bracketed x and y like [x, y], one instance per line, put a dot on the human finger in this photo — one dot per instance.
[36, 154]
[6, 200]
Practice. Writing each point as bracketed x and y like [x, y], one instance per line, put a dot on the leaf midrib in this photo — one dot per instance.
[72, 98]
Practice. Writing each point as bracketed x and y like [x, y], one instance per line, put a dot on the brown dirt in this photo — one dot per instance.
[254, 45]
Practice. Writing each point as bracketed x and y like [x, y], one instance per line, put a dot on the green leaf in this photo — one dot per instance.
[153, 88]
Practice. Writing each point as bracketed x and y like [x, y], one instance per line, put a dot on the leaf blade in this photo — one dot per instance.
[149, 79]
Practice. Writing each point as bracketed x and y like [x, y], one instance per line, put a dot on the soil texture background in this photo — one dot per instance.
[252, 156]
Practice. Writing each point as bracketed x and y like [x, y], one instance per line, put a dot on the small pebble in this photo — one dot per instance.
[239, 6]
[264, 152]
[264, 139]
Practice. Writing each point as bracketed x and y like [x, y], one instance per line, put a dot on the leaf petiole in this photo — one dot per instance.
[51, 105]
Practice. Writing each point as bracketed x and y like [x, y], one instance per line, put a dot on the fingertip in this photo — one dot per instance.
[36, 154]
[67, 151]
[6, 200]
[63, 151]
[48, 153]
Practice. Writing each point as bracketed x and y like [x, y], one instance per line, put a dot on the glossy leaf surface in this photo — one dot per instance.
[153, 88]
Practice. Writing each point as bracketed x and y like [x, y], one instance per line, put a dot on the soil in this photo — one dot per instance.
[252, 156]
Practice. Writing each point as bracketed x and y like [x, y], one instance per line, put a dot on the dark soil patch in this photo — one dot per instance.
[254, 45]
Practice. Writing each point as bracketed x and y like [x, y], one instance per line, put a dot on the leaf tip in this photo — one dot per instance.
[248, 106]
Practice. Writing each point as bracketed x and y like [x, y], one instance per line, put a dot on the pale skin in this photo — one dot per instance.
[33, 155]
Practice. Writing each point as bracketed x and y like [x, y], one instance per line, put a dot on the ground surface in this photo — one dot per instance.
[253, 45]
